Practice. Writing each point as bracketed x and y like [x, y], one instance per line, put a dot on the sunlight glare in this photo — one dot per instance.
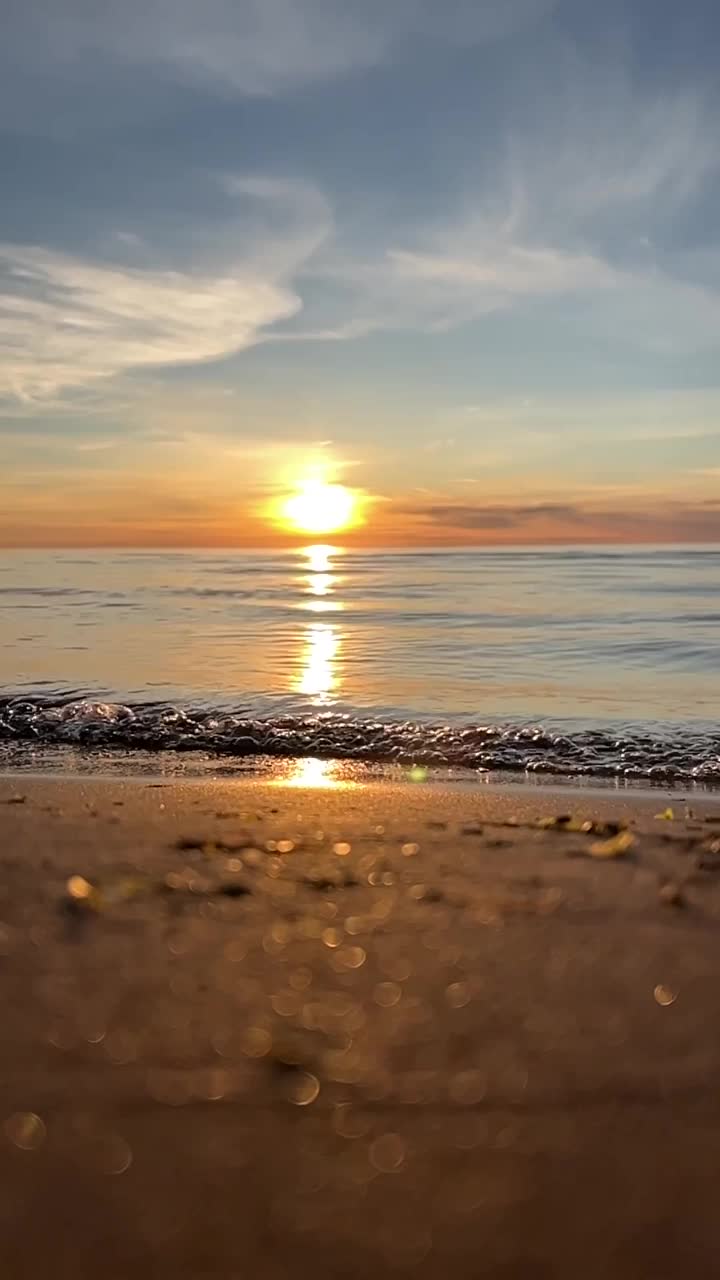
[314, 773]
[319, 507]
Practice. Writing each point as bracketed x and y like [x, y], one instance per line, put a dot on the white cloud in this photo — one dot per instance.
[543, 223]
[597, 150]
[558, 214]
[443, 284]
[66, 321]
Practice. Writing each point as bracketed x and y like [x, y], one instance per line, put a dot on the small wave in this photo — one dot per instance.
[685, 755]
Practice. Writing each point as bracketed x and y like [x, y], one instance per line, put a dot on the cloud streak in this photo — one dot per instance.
[66, 321]
[670, 521]
[557, 213]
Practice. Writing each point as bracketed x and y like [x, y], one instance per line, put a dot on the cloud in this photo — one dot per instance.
[554, 209]
[67, 321]
[641, 521]
[255, 47]
[500, 516]
[549, 213]
[599, 148]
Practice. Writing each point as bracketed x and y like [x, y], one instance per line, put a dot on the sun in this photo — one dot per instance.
[319, 507]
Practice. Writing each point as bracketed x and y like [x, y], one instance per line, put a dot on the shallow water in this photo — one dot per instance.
[571, 660]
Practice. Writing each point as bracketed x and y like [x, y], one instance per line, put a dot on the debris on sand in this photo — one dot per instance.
[573, 825]
[616, 847]
[233, 889]
[81, 895]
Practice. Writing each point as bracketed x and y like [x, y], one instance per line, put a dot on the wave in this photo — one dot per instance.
[673, 756]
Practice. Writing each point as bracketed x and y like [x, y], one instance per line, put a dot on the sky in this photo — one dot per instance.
[463, 258]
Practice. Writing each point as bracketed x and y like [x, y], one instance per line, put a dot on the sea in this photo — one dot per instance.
[573, 662]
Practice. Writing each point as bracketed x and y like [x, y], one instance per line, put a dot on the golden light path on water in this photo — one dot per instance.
[317, 674]
[319, 558]
[317, 677]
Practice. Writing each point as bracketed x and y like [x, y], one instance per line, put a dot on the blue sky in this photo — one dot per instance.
[467, 255]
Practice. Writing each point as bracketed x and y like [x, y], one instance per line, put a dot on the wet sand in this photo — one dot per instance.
[258, 1030]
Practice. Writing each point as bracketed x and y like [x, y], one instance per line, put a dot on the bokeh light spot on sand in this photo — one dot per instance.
[287, 1004]
[350, 1123]
[387, 1153]
[349, 958]
[664, 996]
[257, 1042]
[458, 995]
[26, 1130]
[302, 1088]
[113, 1155]
[342, 848]
[301, 979]
[387, 994]
[467, 1088]
[216, 1084]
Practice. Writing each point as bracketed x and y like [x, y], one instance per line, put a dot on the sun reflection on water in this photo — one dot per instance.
[320, 584]
[320, 580]
[319, 557]
[317, 663]
[317, 677]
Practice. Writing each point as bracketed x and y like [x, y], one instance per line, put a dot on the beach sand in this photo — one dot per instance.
[257, 1030]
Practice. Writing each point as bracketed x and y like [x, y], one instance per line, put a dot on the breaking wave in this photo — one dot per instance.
[663, 753]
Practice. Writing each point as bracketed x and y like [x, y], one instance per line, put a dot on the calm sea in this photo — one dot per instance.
[600, 662]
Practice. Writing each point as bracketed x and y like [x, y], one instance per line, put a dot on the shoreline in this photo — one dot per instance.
[327, 1031]
[63, 762]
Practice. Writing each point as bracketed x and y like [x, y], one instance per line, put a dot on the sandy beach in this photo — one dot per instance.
[257, 1029]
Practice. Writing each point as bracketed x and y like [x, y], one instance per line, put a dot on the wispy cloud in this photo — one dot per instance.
[562, 208]
[257, 47]
[66, 321]
[444, 284]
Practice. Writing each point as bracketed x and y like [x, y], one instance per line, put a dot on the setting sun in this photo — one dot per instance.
[318, 507]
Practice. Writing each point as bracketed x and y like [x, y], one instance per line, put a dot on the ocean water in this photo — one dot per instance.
[578, 661]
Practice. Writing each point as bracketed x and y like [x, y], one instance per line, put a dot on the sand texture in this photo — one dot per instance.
[254, 1030]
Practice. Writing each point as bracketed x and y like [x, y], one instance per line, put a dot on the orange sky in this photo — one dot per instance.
[116, 517]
